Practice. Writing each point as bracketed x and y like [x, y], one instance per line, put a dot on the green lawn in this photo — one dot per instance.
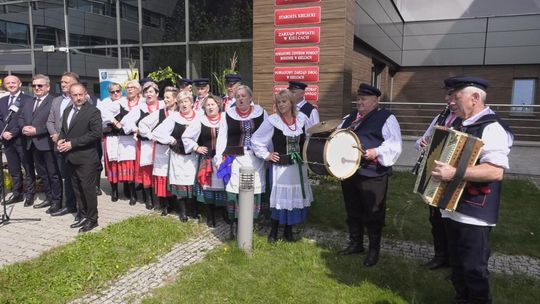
[91, 261]
[314, 273]
[407, 216]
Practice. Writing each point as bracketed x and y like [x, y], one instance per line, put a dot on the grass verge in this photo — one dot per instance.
[304, 272]
[85, 265]
[407, 215]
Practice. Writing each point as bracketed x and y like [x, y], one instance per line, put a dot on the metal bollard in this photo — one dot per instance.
[245, 209]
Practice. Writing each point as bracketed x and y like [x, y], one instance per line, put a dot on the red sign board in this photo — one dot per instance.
[284, 2]
[294, 73]
[302, 15]
[311, 93]
[297, 35]
[301, 54]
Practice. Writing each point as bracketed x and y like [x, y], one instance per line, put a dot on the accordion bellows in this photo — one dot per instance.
[458, 149]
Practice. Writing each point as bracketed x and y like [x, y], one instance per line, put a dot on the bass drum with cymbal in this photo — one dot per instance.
[337, 153]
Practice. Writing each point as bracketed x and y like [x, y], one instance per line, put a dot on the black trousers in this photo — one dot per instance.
[83, 180]
[70, 200]
[365, 204]
[47, 169]
[469, 250]
[440, 242]
[15, 158]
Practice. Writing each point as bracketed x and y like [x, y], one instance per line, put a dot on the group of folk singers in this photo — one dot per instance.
[188, 151]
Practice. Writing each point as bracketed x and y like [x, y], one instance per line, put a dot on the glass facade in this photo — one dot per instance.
[113, 33]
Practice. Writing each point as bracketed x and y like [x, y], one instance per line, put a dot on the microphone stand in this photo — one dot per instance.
[5, 216]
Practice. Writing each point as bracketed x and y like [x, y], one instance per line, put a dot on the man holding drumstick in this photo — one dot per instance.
[365, 192]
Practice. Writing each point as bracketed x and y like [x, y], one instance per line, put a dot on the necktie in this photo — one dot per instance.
[36, 104]
[75, 111]
[11, 98]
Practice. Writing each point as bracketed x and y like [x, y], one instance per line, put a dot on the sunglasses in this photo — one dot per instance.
[115, 91]
[39, 86]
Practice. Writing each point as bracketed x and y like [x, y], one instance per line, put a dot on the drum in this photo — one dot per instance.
[337, 154]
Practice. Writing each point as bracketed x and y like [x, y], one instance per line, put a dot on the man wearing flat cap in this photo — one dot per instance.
[364, 193]
[298, 89]
[202, 86]
[233, 81]
[447, 118]
[468, 227]
[185, 85]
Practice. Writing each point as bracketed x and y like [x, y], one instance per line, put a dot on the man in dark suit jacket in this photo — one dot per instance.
[81, 131]
[32, 121]
[11, 138]
[54, 126]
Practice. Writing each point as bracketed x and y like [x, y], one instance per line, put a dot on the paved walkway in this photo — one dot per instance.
[22, 239]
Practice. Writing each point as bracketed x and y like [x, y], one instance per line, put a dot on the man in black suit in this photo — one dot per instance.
[11, 138]
[81, 131]
[54, 126]
[38, 145]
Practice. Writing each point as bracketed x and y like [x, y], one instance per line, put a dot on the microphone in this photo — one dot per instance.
[13, 109]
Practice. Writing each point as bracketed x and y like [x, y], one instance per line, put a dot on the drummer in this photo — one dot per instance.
[365, 192]
[298, 89]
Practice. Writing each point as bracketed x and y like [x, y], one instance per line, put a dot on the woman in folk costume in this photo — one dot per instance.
[126, 142]
[233, 149]
[145, 147]
[110, 115]
[291, 193]
[201, 138]
[161, 152]
[182, 164]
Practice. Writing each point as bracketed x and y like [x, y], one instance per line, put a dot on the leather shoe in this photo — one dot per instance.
[15, 198]
[89, 225]
[372, 258]
[29, 201]
[78, 224]
[53, 208]
[62, 211]
[436, 263]
[352, 248]
[45, 203]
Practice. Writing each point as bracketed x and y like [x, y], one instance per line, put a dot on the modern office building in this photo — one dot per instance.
[406, 48]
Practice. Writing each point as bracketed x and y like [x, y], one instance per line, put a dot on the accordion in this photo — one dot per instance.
[458, 149]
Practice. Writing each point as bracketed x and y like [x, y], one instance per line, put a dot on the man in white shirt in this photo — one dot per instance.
[468, 228]
[298, 89]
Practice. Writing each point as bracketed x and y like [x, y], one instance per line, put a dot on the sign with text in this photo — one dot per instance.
[301, 54]
[311, 93]
[285, 2]
[302, 15]
[294, 73]
[297, 35]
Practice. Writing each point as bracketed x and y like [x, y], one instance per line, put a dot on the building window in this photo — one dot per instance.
[523, 96]
[17, 33]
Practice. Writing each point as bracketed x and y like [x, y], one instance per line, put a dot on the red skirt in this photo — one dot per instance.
[143, 175]
[126, 171]
[159, 185]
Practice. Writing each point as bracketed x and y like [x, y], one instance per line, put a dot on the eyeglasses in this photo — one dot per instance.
[127, 88]
[39, 86]
[115, 91]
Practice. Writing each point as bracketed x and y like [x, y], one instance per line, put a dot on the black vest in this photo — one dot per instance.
[369, 131]
[142, 115]
[237, 133]
[482, 200]
[282, 145]
[177, 134]
[206, 139]
[307, 108]
[112, 130]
